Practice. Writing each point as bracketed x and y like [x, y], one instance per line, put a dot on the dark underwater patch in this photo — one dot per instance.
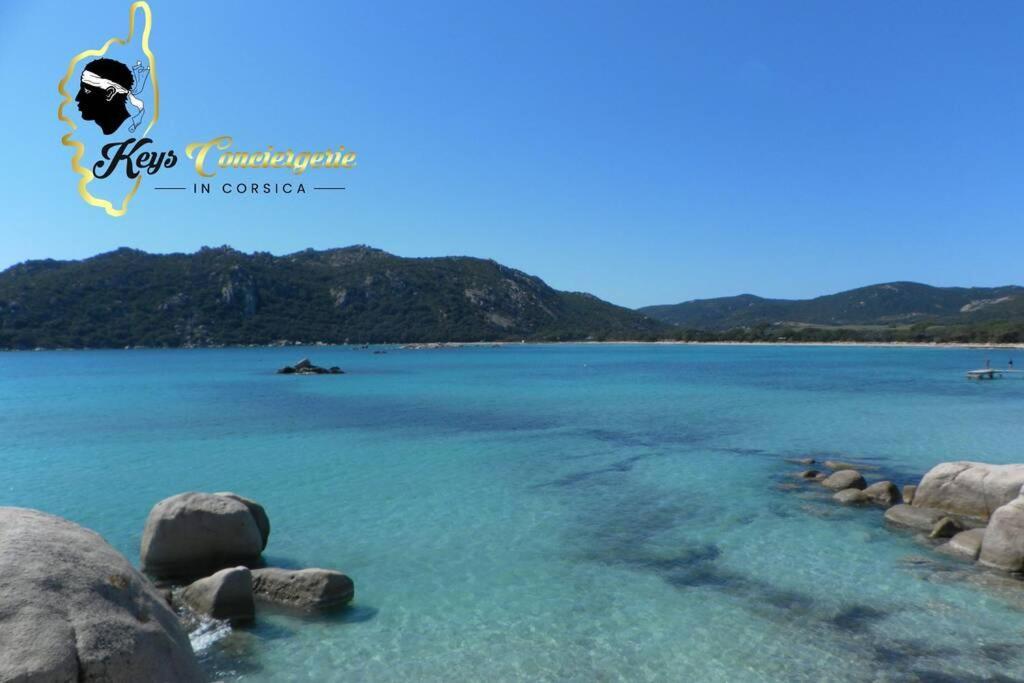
[743, 451]
[901, 653]
[931, 676]
[617, 467]
[1002, 653]
[857, 618]
[263, 407]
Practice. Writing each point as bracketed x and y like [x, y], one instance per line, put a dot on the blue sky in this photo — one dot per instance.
[645, 152]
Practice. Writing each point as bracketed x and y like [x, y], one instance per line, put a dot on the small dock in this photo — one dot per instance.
[990, 373]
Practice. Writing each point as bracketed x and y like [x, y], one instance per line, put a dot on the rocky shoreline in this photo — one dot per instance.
[977, 507]
[77, 610]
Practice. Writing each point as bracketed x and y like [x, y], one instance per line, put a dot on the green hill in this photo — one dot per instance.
[355, 295]
[897, 310]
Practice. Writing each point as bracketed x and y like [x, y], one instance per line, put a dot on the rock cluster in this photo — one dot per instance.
[212, 540]
[74, 609]
[849, 484]
[978, 507]
[305, 367]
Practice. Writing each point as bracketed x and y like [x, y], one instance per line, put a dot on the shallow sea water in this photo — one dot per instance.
[547, 513]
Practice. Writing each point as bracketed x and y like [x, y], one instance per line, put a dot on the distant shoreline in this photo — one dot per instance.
[428, 346]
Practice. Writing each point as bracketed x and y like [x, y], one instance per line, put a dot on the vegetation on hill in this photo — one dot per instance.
[897, 311]
[353, 295]
[362, 295]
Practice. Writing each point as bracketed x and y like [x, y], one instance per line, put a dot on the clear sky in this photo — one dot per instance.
[645, 152]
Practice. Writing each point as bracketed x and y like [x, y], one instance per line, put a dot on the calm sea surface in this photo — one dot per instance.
[547, 513]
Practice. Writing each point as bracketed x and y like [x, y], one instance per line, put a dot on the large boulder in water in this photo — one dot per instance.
[259, 515]
[974, 489]
[844, 479]
[195, 534]
[74, 609]
[1002, 546]
[850, 497]
[922, 519]
[966, 544]
[225, 595]
[883, 493]
[307, 588]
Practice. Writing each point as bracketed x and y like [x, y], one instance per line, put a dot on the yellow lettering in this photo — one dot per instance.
[223, 142]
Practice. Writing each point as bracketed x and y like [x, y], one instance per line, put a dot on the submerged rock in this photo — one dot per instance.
[844, 479]
[225, 595]
[922, 519]
[1002, 546]
[966, 544]
[809, 474]
[194, 534]
[839, 465]
[306, 588]
[883, 493]
[969, 488]
[74, 609]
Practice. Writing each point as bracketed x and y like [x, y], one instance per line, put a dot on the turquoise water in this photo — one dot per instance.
[547, 513]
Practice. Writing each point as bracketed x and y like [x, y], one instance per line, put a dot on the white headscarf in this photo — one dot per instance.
[91, 79]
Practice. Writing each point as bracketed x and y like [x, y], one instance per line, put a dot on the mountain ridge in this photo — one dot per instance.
[901, 303]
[356, 294]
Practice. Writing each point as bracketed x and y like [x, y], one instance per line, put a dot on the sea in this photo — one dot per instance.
[589, 512]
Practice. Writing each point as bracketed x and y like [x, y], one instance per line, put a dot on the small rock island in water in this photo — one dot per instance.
[305, 367]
